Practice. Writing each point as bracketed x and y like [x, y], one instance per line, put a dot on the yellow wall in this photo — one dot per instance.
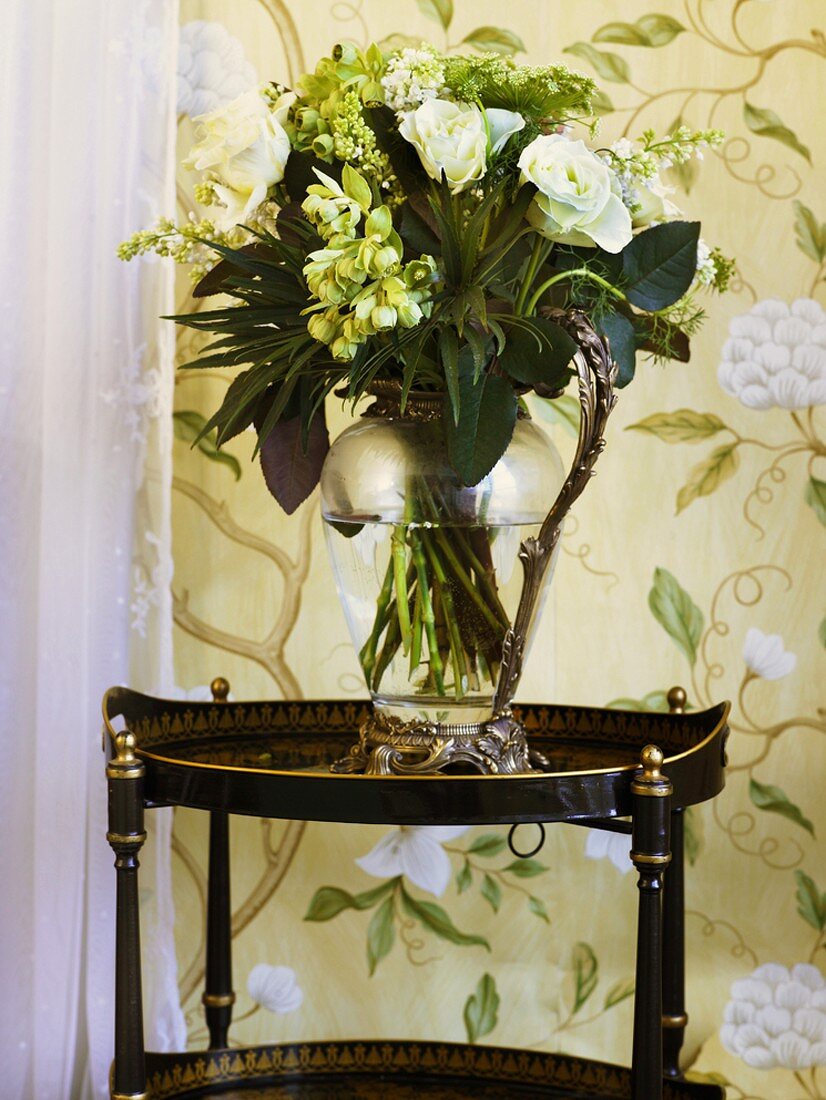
[255, 600]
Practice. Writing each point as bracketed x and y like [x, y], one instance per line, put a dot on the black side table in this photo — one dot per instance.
[271, 759]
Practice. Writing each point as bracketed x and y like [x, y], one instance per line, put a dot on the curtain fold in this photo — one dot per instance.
[86, 374]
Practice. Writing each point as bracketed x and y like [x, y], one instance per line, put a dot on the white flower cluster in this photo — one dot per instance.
[777, 1018]
[412, 76]
[775, 356]
[706, 267]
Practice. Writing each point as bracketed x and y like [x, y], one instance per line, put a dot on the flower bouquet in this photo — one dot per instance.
[416, 227]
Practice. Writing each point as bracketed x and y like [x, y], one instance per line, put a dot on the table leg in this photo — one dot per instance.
[126, 836]
[218, 995]
[675, 1018]
[650, 851]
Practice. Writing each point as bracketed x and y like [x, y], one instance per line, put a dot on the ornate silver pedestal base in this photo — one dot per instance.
[388, 746]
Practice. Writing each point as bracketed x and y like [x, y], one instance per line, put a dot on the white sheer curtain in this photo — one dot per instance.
[86, 156]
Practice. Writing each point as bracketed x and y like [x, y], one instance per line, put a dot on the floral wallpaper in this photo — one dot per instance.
[695, 558]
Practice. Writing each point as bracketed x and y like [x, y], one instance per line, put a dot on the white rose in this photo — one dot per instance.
[452, 139]
[579, 200]
[653, 204]
[243, 147]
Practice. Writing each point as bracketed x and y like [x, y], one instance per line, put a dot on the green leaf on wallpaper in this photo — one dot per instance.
[489, 844]
[816, 497]
[495, 40]
[481, 1009]
[676, 612]
[763, 121]
[709, 475]
[681, 426]
[329, 901]
[586, 974]
[492, 892]
[767, 797]
[619, 991]
[811, 234]
[565, 410]
[381, 935]
[601, 103]
[649, 30]
[440, 10]
[436, 920]
[692, 833]
[811, 904]
[609, 66]
[525, 868]
[464, 878]
[537, 907]
[187, 425]
[654, 702]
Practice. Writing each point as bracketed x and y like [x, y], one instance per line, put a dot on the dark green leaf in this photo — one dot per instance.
[816, 497]
[659, 264]
[811, 234]
[380, 934]
[767, 797]
[189, 425]
[440, 10]
[464, 878]
[329, 901]
[291, 471]
[489, 844]
[676, 612]
[537, 906]
[811, 904]
[487, 415]
[709, 474]
[586, 970]
[436, 920]
[538, 351]
[416, 232]
[610, 66]
[403, 157]
[492, 892]
[481, 1009]
[620, 333]
[649, 30]
[449, 355]
[681, 426]
[525, 868]
[495, 40]
[764, 121]
[619, 991]
[299, 173]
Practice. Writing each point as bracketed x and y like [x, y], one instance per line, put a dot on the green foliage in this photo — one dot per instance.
[329, 901]
[811, 903]
[810, 233]
[496, 39]
[623, 343]
[659, 265]
[764, 121]
[487, 415]
[492, 892]
[464, 878]
[649, 30]
[681, 426]
[816, 497]
[676, 612]
[709, 475]
[610, 66]
[538, 350]
[481, 1009]
[619, 991]
[188, 425]
[526, 868]
[381, 934]
[489, 844]
[773, 800]
[435, 919]
[586, 974]
[537, 92]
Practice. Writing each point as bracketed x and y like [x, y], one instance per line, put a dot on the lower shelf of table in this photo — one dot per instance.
[393, 1070]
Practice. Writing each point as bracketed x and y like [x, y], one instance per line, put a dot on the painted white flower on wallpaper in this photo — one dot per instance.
[275, 988]
[614, 846]
[777, 1018]
[775, 356]
[766, 656]
[416, 852]
[212, 68]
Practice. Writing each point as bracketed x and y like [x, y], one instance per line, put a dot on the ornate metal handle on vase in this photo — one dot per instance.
[596, 376]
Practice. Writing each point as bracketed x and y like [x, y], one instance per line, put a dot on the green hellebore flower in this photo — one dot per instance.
[409, 314]
[379, 223]
[384, 317]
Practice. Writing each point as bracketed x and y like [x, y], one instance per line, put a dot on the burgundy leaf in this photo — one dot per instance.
[290, 474]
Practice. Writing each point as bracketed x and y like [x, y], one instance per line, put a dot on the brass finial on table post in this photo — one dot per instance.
[220, 689]
[677, 699]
